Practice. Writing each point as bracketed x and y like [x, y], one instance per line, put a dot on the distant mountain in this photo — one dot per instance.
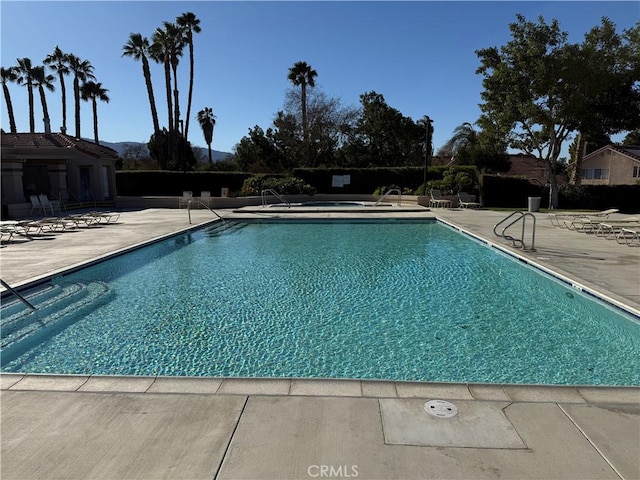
[199, 152]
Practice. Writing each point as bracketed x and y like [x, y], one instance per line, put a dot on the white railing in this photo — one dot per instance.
[271, 191]
[389, 192]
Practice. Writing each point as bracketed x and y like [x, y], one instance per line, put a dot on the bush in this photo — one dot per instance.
[165, 183]
[284, 185]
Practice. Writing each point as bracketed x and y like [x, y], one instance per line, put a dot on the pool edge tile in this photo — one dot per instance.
[51, 383]
[485, 391]
[8, 380]
[120, 384]
[610, 394]
[255, 386]
[379, 389]
[329, 388]
[457, 391]
[201, 385]
[544, 393]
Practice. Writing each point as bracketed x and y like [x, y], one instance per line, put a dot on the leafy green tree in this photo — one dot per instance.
[171, 152]
[138, 48]
[257, 152]
[538, 88]
[9, 75]
[207, 121]
[464, 137]
[93, 91]
[82, 71]
[632, 138]
[57, 61]
[189, 24]
[41, 80]
[24, 71]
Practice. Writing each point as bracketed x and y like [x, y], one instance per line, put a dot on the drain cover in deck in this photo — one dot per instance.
[441, 408]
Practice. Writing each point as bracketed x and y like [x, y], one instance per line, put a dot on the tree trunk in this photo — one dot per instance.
[186, 121]
[577, 171]
[76, 94]
[152, 101]
[95, 120]
[32, 122]
[210, 159]
[45, 110]
[63, 90]
[12, 119]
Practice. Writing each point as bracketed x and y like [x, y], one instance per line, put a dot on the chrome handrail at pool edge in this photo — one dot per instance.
[205, 206]
[271, 191]
[22, 299]
[522, 217]
[389, 192]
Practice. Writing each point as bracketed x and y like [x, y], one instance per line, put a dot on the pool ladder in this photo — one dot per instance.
[517, 242]
[390, 192]
[271, 191]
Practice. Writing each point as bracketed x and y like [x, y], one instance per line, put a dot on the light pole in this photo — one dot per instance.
[427, 149]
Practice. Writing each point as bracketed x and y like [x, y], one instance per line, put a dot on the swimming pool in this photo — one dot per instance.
[394, 300]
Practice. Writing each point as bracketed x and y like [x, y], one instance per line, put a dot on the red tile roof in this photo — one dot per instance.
[43, 141]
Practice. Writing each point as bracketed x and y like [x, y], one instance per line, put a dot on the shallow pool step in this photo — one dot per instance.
[63, 305]
[225, 227]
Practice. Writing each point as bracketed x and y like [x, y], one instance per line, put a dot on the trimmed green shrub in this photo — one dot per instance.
[508, 192]
[140, 183]
[284, 185]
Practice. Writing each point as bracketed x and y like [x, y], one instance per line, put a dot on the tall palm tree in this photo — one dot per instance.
[94, 92]
[160, 51]
[9, 75]
[189, 25]
[177, 44]
[207, 121]
[24, 70]
[302, 75]
[42, 81]
[82, 71]
[138, 48]
[57, 61]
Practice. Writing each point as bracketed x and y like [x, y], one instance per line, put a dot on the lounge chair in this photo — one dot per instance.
[563, 220]
[205, 198]
[104, 217]
[610, 228]
[630, 236]
[437, 201]
[36, 205]
[466, 202]
[187, 196]
[50, 204]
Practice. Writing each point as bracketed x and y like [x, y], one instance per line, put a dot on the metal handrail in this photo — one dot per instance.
[22, 299]
[389, 192]
[522, 217]
[271, 191]
[205, 206]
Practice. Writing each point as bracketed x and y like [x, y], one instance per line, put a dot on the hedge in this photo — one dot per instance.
[167, 183]
[508, 192]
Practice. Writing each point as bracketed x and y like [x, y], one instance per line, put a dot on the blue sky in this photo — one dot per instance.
[419, 55]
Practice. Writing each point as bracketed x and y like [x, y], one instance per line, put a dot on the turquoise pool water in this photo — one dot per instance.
[379, 300]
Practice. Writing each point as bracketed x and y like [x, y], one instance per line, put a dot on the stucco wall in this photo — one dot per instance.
[620, 168]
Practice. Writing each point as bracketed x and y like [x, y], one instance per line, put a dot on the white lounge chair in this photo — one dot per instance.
[466, 202]
[50, 204]
[630, 236]
[563, 220]
[437, 201]
[205, 198]
[187, 196]
[35, 204]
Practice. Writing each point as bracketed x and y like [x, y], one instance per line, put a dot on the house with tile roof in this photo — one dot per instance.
[61, 166]
[611, 165]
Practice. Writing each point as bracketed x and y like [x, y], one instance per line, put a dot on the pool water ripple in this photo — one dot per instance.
[399, 301]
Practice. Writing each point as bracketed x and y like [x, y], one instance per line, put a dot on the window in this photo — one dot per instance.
[601, 173]
[636, 172]
[587, 173]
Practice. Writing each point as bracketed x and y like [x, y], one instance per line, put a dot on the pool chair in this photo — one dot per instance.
[466, 202]
[104, 217]
[187, 196]
[629, 236]
[610, 228]
[437, 201]
[564, 220]
[35, 204]
[50, 204]
[205, 198]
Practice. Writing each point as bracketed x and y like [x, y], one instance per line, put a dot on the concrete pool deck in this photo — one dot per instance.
[148, 427]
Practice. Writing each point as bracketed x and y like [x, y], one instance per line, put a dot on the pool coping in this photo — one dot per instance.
[323, 386]
[320, 387]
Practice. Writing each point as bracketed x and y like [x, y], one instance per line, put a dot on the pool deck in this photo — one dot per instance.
[99, 427]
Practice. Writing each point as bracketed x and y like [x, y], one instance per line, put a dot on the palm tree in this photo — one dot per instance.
[82, 71]
[189, 24]
[207, 121]
[42, 80]
[57, 61]
[9, 75]
[160, 51]
[24, 70]
[138, 48]
[302, 75]
[464, 136]
[94, 91]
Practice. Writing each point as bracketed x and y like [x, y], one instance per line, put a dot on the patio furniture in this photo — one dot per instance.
[437, 201]
[35, 204]
[50, 204]
[465, 201]
[205, 198]
[187, 196]
[561, 219]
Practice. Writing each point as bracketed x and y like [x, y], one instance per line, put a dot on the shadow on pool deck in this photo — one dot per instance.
[122, 427]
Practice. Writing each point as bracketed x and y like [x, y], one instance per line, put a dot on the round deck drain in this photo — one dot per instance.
[441, 408]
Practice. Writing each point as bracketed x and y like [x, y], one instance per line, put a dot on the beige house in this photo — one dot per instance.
[611, 165]
[61, 166]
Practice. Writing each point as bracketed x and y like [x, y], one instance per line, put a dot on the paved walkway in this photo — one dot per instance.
[89, 427]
